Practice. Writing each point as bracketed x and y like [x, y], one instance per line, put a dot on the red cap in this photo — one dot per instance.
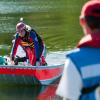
[91, 8]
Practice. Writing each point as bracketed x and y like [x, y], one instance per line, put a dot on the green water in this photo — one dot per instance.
[57, 22]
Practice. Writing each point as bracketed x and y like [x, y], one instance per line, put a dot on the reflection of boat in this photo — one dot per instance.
[26, 92]
[30, 74]
[49, 93]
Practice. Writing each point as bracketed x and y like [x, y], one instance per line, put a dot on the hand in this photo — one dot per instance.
[12, 62]
[37, 63]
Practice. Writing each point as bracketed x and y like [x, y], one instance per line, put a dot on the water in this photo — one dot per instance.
[29, 93]
[56, 21]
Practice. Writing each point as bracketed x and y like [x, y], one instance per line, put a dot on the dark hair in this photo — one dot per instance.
[93, 22]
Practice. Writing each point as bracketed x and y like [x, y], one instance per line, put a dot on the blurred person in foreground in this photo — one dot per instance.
[33, 46]
[81, 75]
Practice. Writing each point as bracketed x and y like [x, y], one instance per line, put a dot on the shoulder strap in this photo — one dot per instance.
[90, 89]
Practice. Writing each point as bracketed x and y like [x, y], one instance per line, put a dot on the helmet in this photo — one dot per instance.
[91, 8]
[20, 26]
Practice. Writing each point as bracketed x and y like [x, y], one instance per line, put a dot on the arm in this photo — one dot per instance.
[36, 44]
[14, 48]
[69, 88]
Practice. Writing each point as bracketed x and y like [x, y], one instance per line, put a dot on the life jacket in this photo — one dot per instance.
[27, 44]
[87, 61]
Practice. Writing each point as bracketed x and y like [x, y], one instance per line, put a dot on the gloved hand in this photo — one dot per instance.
[12, 62]
[38, 63]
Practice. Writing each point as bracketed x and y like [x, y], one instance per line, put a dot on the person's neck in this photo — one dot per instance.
[90, 40]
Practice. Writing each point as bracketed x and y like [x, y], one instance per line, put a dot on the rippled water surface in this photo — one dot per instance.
[57, 22]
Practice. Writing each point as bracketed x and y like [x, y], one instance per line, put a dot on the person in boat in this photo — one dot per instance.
[31, 43]
[81, 76]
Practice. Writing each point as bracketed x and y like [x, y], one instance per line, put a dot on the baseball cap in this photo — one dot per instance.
[91, 8]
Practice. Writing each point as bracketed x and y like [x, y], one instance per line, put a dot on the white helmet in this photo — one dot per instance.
[20, 26]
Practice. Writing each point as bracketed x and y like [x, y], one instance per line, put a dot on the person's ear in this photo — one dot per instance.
[85, 26]
[82, 21]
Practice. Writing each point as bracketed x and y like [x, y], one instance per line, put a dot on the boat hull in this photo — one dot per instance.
[29, 75]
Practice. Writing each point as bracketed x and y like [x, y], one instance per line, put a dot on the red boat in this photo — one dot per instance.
[43, 75]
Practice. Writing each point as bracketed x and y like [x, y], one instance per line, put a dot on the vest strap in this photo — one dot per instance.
[90, 89]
